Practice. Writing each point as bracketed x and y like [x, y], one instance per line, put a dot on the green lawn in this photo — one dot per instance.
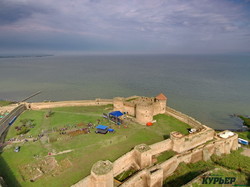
[246, 121]
[87, 148]
[5, 103]
[244, 135]
[165, 156]
[124, 175]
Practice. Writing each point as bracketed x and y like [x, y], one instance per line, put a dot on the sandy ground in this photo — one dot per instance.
[246, 152]
[8, 108]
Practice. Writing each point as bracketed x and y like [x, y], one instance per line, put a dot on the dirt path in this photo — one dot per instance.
[62, 152]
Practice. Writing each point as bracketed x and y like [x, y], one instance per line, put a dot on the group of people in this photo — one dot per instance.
[63, 131]
[29, 138]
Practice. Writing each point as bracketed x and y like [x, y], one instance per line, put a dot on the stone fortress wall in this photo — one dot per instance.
[183, 117]
[46, 105]
[151, 175]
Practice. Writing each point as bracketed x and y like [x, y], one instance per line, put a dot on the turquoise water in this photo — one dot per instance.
[209, 88]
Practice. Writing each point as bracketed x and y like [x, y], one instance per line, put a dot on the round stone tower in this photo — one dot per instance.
[102, 174]
[144, 112]
[118, 103]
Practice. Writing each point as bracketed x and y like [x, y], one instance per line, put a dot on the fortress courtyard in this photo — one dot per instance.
[58, 145]
[82, 150]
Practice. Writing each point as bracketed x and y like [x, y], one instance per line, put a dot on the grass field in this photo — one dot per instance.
[165, 156]
[5, 103]
[86, 148]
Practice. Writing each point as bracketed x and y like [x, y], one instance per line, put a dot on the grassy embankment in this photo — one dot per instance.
[232, 165]
[246, 122]
[5, 103]
[87, 148]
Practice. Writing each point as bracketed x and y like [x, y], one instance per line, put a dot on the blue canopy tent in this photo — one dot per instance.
[116, 113]
[114, 116]
[103, 127]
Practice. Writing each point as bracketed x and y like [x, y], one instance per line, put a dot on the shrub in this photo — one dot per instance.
[23, 130]
[49, 113]
[235, 161]
[25, 127]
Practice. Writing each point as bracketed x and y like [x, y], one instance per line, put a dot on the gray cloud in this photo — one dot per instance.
[11, 12]
[194, 26]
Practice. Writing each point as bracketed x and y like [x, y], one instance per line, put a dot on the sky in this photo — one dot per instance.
[125, 26]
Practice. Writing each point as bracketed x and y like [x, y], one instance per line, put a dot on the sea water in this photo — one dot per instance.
[206, 87]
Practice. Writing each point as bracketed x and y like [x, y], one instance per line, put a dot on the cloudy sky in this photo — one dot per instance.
[125, 26]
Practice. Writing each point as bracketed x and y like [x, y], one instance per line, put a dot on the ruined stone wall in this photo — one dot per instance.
[153, 176]
[124, 163]
[169, 166]
[153, 179]
[181, 144]
[85, 182]
[118, 103]
[150, 177]
[162, 146]
[129, 108]
[132, 97]
[202, 152]
[143, 99]
[138, 179]
[45, 105]
[183, 117]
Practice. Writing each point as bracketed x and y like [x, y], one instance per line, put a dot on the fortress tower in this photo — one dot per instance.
[160, 104]
[142, 108]
[144, 112]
